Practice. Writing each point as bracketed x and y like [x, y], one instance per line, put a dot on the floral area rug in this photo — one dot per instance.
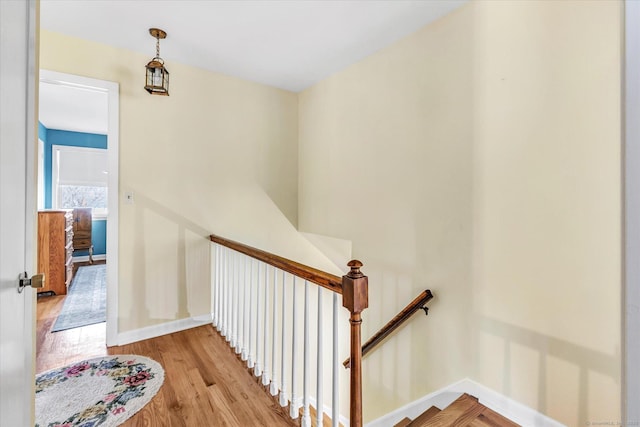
[104, 391]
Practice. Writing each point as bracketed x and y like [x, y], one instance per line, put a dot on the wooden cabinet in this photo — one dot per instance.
[82, 224]
[55, 250]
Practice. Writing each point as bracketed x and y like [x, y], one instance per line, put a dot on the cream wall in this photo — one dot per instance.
[480, 158]
[547, 210]
[385, 160]
[218, 155]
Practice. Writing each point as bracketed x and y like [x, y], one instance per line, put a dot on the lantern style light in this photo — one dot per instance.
[157, 81]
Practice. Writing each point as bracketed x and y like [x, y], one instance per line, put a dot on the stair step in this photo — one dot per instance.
[403, 422]
[424, 417]
[466, 411]
[479, 423]
[459, 414]
[493, 419]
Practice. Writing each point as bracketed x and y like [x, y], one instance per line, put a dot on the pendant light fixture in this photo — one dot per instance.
[157, 81]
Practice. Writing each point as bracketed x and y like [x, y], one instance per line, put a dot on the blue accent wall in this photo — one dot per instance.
[52, 137]
[63, 137]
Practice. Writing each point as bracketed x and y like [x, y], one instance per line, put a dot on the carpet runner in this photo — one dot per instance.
[86, 301]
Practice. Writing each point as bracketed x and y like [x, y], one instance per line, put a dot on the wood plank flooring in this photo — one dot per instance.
[466, 411]
[64, 347]
[205, 383]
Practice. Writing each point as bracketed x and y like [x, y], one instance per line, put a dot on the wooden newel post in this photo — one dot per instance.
[355, 298]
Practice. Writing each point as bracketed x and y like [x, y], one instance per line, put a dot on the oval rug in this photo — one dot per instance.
[103, 391]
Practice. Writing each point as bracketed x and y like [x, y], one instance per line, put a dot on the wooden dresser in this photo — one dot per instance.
[55, 250]
[82, 223]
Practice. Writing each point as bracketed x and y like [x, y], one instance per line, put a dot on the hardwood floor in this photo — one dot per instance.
[55, 349]
[205, 383]
[64, 347]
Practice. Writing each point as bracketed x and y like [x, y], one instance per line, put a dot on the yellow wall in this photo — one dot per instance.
[480, 158]
[547, 235]
[218, 155]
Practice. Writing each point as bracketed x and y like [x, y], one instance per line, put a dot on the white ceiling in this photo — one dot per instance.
[78, 109]
[289, 44]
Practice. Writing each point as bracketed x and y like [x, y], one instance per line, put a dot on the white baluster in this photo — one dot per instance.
[319, 401]
[240, 307]
[225, 283]
[273, 388]
[265, 365]
[335, 414]
[250, 360]
[234, 299]
[229, 319]
[306, 415]
[293, 406]
[219, 292]
[214, 275]
[223, 300]
[283, 378]
[246, 311]
[257, 370]
[236, 286]
[219, 287]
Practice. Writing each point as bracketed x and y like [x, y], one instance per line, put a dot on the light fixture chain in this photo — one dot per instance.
[157, 47]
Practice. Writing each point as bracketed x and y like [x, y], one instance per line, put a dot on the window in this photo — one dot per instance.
[79, 178]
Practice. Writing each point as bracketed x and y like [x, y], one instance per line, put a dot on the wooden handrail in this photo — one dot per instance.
[353, 287]
[319, 277]
[415, 305]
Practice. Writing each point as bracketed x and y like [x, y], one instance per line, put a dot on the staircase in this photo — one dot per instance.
[465, 411]
[256, 310]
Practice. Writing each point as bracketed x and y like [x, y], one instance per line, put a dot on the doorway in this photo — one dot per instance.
[78, 123]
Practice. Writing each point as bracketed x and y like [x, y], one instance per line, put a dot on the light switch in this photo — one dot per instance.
[128, 197]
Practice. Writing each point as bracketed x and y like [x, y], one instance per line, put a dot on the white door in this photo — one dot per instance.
[631, 348]
[17, 209]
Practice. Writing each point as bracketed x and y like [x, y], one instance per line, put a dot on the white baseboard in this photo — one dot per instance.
[85, 258]
[442, 398]
[515, 411]
[162, 329]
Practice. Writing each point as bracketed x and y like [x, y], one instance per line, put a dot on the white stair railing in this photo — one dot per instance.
[306, 414]
[319, 361]
[257, 309]
[257, 368]
[266, 376]
[273, 387]
[294, 402]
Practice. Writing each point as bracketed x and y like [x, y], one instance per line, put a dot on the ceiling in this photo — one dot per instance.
[289, 44]
[73, 108]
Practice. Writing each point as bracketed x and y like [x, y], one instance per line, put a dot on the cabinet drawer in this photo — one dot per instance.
[81, 243]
